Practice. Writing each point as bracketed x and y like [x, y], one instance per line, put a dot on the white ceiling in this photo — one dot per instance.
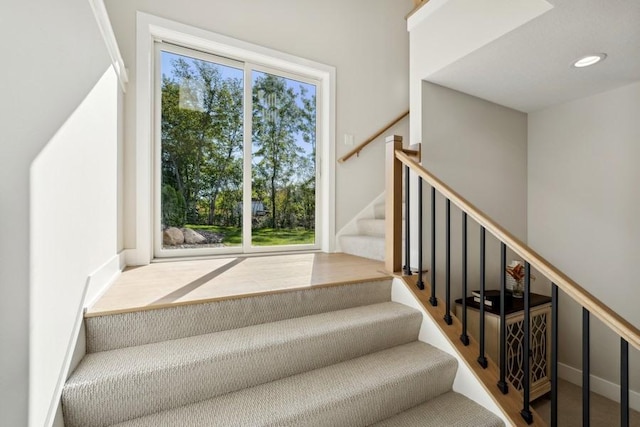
[529, 68]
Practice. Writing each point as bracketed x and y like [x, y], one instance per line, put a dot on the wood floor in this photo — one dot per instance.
[604, 412]
[168, 283]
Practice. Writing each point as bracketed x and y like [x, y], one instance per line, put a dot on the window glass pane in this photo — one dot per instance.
[201, 153]
[283, 161]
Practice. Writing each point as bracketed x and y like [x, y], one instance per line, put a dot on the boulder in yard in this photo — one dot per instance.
[172, 236]
[192, 237]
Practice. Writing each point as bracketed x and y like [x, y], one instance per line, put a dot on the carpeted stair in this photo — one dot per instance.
[369, 242]
[331, 356]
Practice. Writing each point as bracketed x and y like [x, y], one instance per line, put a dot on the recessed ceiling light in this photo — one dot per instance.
[585, 61]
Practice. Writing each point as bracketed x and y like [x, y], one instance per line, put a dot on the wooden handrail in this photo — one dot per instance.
[596, 307]
[372, 138]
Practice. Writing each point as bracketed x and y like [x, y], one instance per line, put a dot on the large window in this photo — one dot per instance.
[236, 156]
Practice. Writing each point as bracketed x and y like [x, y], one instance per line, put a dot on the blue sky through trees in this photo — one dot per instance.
[229, 72]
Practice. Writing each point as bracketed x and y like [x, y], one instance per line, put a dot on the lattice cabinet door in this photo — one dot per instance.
[540, 321]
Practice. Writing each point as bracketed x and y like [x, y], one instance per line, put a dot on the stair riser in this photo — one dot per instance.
[375, 227]
[379, 211]
[372, 247]
[355, 393]
[375, 405]
[371, 227]
[149, 392]
[144, 327]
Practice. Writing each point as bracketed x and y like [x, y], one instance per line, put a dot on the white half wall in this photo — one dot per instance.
[583, 213]
[74, 234]
[53, 55]
[365, 40]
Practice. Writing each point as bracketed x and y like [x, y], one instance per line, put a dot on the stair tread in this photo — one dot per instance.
[448, 409]
[191, 350]
[356, 392]
[154, 377]
[109, 332]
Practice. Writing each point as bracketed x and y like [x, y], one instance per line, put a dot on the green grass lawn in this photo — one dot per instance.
[271, 237]
[262, 236]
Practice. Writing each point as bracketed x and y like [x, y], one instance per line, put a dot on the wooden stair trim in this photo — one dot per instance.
[417, 5]
[414, 151]
[510, 403]
[234, 297]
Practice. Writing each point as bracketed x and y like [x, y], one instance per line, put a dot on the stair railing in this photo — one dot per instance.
[498, 384]
[356, 151]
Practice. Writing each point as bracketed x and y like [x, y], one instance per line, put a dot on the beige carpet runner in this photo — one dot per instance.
[334, 356]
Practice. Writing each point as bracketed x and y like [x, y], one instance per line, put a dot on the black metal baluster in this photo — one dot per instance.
[432, 299]
[502, 384]
[482, 359]
[407, 243]
[464, 337]
[554, 355]
[447, 306]
[624, 383]
[585, 369]
[420, 282]
[526, 346]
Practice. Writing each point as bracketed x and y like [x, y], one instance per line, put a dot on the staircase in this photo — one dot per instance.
[367, 238]
[329, 356]
[369, 241]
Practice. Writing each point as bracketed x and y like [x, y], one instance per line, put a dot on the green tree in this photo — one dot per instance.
[173, 207]
[223, 167]
[307, 124]
[201, 134]
[276, 122]
[202, 145]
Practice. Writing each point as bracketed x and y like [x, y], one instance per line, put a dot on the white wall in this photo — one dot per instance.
[365, 40]
[444, 31]
[73, 232]
[583, 212]
[480, 150]
[53, 55]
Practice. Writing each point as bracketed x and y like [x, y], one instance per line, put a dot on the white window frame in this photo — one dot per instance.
[151, 29]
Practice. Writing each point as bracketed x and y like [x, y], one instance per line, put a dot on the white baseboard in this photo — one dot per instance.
[100, 280]
[58, 421]
[598, 385]
[68, 358]
[95, 286]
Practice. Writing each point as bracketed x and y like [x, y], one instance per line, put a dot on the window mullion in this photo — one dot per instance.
[247, 173]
